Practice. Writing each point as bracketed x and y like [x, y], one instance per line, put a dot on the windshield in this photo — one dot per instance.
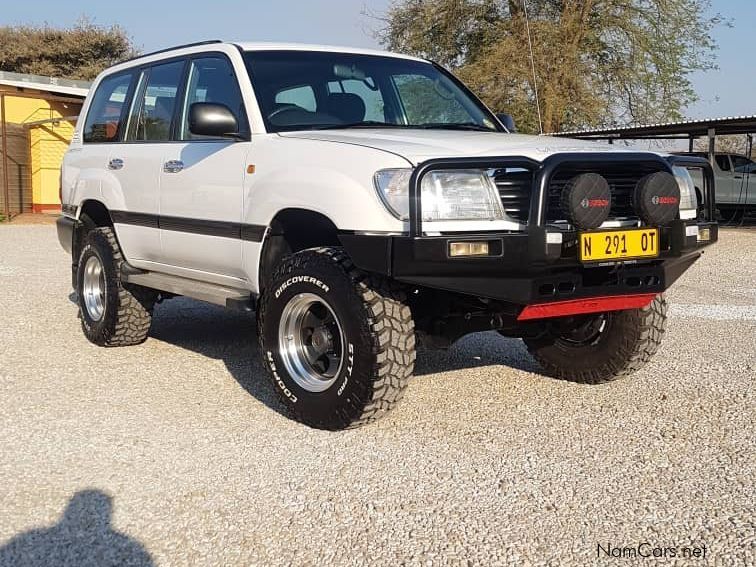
[308, 90]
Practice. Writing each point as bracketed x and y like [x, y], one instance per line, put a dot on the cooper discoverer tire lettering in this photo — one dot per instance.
[352, 331]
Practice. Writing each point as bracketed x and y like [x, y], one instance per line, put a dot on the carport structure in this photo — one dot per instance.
[689, 130]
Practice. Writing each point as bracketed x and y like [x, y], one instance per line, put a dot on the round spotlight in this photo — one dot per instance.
[657, 198]
[586, 200]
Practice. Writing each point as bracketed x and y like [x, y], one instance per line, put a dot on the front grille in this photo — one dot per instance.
[622, 181]
[515, 186]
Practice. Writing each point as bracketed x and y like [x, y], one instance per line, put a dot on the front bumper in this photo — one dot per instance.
[538, 265]
[526, 270]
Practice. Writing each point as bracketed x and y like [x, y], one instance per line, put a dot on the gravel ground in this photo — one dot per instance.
[177, 453]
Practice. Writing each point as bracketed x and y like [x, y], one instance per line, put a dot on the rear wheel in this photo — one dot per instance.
[339, 343]
[112, 313]
[593, 349]
[731, 215]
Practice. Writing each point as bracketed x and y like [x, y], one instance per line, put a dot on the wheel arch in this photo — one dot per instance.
[292, 230]
[92, 214]
[97, 212]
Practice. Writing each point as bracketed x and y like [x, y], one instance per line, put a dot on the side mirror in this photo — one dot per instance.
[507, 121]
[210, 119]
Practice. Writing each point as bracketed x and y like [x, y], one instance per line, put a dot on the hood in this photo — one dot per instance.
[421, 145]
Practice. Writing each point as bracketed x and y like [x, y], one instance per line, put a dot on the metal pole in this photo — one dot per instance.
[712, 133]
[6, 185]
[690, 144]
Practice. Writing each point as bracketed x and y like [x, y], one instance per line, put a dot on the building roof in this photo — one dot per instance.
[50, 84]
[689, 128]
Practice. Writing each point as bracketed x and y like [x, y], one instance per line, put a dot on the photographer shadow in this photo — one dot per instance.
[84, 537]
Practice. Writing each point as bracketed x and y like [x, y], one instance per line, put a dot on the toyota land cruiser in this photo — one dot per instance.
[357, 200]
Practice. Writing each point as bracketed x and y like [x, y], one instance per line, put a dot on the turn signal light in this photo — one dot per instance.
[460, 249]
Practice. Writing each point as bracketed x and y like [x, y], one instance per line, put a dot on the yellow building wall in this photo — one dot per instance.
[47, 143]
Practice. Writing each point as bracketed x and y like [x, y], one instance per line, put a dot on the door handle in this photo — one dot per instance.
[115, 163]
[173, 166]
[738, 177]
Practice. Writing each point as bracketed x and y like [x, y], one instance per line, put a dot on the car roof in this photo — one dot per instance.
[257, 46]
[705, 154]
[273, 46]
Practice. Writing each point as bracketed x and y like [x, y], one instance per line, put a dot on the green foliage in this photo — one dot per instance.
[598, 62]
[80, 52]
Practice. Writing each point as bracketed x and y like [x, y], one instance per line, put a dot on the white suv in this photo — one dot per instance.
[355, 200]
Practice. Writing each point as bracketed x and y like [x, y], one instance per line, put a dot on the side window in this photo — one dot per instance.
[723, 162]
[303, 97]
[152, 110]
[105, 113]
[741, 164]
[212, 79]
[426, 101]
[371, 96]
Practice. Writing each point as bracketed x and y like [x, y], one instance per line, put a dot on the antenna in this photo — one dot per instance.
[532, 64]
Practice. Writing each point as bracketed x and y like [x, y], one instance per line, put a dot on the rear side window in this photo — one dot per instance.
[155, 102]
[105, 117]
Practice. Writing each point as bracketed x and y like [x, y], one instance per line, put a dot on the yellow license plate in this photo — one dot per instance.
[619, 245]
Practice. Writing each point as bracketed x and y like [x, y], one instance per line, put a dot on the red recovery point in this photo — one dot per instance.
[585, 306]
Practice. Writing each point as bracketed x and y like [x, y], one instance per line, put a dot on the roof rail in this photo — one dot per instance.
[159, 51]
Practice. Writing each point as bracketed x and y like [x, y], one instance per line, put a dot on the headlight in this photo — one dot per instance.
[458, 194]
[688, 199]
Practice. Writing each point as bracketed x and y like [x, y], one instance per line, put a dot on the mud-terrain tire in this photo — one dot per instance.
[623, 343]
[338, 343]
[120, 314]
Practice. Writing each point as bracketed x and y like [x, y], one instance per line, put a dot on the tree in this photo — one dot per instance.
[727, 144]
[597, 62]
[79, 52]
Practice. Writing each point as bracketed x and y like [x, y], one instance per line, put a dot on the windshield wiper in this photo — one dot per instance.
[456, 126]
[361, 124]
[430, 126]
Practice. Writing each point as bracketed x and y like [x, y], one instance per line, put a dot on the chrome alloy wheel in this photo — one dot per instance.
[311, 342]
[93, 288]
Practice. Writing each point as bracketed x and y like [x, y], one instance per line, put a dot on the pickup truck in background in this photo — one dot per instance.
[735, 177]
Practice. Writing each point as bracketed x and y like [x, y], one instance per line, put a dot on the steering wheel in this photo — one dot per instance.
[284, 107]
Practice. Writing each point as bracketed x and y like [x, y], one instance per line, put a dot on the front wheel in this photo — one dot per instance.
[339, 344]
[593, 349]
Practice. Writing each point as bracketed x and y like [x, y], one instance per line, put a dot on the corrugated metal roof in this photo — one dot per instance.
[724, 125]
[49, 84]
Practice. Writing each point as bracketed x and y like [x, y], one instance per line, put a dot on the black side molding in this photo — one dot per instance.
[223, 229]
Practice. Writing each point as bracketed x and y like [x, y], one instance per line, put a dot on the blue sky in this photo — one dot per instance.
[161, 23]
